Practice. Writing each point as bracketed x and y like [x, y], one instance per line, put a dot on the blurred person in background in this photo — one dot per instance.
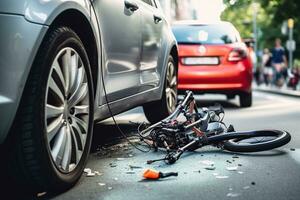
[279, 62]
[267, 66]
[294, 76]
[256, 69]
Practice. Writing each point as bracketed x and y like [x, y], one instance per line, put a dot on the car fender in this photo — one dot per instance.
[168, 43]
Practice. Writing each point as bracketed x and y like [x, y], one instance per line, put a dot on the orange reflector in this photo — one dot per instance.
[151, 174]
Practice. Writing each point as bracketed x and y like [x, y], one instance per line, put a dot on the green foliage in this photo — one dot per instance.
[270, 16]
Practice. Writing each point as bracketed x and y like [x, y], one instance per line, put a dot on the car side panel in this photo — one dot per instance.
[121, 46]
[19, 44]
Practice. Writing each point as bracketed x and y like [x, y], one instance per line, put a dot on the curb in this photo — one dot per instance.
[279, 91]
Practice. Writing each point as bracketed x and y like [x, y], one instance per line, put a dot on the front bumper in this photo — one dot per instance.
[220, 79]
[19, 41]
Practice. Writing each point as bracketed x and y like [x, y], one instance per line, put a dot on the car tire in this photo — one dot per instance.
[246, 99]
[230, 97]
[53, 127]
[158, 110]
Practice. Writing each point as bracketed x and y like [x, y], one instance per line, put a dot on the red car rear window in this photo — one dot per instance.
[205, 34]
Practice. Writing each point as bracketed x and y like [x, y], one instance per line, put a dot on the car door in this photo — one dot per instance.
[120, 27]
[152, 30]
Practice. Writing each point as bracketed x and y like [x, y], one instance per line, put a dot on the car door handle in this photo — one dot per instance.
[132, 6]
[157, 19]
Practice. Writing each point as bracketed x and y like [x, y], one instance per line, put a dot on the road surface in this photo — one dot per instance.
[268, 175]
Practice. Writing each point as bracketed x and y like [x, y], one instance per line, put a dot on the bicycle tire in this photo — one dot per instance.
[233, 140]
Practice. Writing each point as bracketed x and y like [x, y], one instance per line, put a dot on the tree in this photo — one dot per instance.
[271, 15]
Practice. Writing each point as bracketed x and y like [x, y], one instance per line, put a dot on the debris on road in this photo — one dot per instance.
[101, 184]
[230, 194]
[90, 174]
[233, 168]
[240, 172]
[292, 149]
[109, 188]
[210, 168]
[120, 159]
[253, 183]
[222, 177]
[235, 156]
[112, 164]
[87, 170]
[153, 174]
[130, 172]
[98, 173]
[246, 187]
[207, 162]
[134, 167]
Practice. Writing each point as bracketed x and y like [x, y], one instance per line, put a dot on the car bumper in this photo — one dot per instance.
[19, 41]
[220, 79]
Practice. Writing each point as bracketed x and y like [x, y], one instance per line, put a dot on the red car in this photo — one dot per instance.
[213, 59]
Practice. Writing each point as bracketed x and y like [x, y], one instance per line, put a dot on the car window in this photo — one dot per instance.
[205, 34]
[148, 2]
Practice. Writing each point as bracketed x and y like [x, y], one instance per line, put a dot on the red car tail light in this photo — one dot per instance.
[237, 55]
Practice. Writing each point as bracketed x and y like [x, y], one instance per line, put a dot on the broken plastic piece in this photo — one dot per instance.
[91, 174]
[246, 187]
[210, 168]
[98, 173]
[134, 167]
[222, 177]
[234, 168]
[87, 170]
[230, 194]
[207, 162]
[112, 164]
[153, 174]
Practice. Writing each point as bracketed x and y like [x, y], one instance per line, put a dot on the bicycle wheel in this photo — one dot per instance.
[254, 141]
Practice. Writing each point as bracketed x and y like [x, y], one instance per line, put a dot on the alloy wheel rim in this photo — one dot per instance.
[171, 87]
[67, 109]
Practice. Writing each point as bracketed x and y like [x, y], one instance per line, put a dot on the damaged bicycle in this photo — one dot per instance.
[189, 128]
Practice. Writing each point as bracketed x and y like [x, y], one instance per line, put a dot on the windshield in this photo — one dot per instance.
[205, 34]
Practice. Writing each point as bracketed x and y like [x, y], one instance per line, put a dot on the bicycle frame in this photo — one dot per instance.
[188, 100]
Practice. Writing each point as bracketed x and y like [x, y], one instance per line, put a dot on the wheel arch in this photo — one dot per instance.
[78, 22]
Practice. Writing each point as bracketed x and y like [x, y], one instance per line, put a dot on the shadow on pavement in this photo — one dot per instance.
[270, 153]
[107, 134]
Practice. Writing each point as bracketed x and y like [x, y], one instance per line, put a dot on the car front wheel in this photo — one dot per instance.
[55, 118]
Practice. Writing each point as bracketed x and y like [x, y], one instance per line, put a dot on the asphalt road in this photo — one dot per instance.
[267, 175]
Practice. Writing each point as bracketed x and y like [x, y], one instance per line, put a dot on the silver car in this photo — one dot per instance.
[61, 62]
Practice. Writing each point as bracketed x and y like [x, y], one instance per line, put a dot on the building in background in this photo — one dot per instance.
[193, 9]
